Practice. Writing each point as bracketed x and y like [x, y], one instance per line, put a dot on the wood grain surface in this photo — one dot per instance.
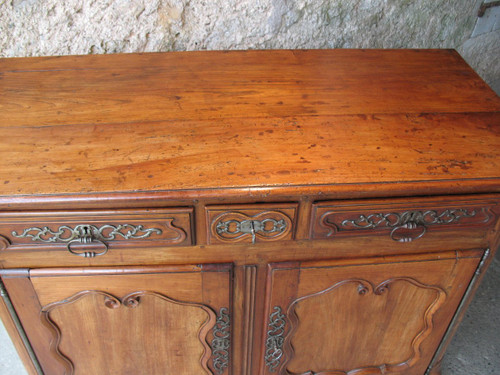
[331, 308]
[244, 121]
[188, 140]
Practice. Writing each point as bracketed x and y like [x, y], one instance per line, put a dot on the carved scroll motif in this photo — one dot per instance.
[133, 301]
[365, 288]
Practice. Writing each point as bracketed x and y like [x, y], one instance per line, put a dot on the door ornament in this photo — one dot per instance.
[275, 339]
[221, 341]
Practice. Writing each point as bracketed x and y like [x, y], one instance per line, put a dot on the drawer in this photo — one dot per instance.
[91, 233]
[401, 220]
[251, 223]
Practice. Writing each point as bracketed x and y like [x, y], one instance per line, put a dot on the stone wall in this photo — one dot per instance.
[54, 27]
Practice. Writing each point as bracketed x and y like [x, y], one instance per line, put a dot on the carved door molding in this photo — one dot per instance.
[130, 301]
[365, 288]
[155, 320]
[320, 325]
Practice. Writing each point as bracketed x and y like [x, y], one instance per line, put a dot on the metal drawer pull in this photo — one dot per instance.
[106, 232]
[86, 236]
[415, 221]
[411, 225]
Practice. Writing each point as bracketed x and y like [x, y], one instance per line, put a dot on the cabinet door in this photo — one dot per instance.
[156, 320]
[367, 316]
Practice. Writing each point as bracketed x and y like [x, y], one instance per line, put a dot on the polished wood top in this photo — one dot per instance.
[184, 124]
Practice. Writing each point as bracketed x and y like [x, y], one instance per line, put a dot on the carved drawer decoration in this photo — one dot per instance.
[96, 230]
[401, 222]
[251, 224]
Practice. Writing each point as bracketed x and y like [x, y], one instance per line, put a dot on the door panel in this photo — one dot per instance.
[362, 318]
[175, 320]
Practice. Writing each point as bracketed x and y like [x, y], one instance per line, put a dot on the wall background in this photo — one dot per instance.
[54, 27]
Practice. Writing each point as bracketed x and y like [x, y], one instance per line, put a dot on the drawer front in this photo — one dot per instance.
[251, 223]
[91, 233]
[401, 221]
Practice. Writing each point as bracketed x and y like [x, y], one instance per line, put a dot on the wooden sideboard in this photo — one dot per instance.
[325, 212]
